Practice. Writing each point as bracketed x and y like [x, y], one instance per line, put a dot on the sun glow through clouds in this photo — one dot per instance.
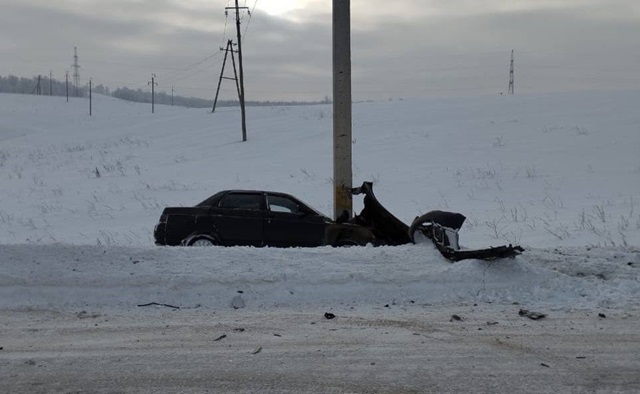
[278, 7]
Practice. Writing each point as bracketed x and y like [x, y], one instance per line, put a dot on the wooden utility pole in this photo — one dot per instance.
[227, 50]
[50, 83]
[153, 84]
[242, 106]
[172, 96]
[342, 171]
[66, 83]
[38, 89]
[511, 76]
[90, 98]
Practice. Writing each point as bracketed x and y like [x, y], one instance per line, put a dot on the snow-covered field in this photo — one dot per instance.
[558, 174]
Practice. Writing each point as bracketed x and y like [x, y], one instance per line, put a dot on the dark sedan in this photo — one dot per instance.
[255, 218]
[260, 218]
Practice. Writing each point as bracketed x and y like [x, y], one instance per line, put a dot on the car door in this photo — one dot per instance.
[239, 218]
[291, 223]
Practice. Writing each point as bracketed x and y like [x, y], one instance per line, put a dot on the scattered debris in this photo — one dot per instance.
[258, 350]
[237, 302]
[1, 347]
[30, 362]
[602, 315]
[239, 329]
[456, 318]
[544, 365]
[386, 305]
[86, 315]
[276, 335]
[492, 323]
[220, 337]
[329, 316]
[240, 291]
[580, 357]
[155, 303]
[531, 315]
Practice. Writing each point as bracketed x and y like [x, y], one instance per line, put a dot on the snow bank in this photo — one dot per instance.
[67, 277]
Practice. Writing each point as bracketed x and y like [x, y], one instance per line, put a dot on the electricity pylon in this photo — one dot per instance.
[76, 70]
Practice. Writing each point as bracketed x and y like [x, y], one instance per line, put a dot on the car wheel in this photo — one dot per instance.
[201, 241]
[345, 243]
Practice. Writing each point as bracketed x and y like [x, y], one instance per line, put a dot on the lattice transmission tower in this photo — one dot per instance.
[76, 71]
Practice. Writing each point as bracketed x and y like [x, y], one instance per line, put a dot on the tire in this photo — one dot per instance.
[345, 243]
[202, 242]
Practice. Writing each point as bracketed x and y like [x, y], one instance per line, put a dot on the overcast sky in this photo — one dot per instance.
[400, 49]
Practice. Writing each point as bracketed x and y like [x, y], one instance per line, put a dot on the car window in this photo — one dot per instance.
[283, 204]
[210, 201]
[241, 201]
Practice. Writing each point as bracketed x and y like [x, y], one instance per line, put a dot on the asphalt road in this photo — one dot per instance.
[415, 349]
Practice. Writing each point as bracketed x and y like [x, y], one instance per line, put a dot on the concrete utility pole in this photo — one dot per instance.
[153, 84]
[242, 107]
[342, 172]
[511, 76]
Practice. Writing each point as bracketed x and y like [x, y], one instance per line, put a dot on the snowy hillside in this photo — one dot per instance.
[554, 170]
[545, 172]
[90, 304]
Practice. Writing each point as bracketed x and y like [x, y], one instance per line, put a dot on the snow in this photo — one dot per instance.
[558, 174]
[119, 278]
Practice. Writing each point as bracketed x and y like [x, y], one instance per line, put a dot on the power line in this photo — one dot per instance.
[196, 72]
[226, 18]
[250, 17]
[175, 77]
[171, 76]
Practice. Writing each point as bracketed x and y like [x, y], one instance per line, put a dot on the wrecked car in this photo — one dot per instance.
[264, 218]
[440, 227]
[255, 218]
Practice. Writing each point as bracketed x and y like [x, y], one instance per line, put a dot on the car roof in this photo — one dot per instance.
[254, 191]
